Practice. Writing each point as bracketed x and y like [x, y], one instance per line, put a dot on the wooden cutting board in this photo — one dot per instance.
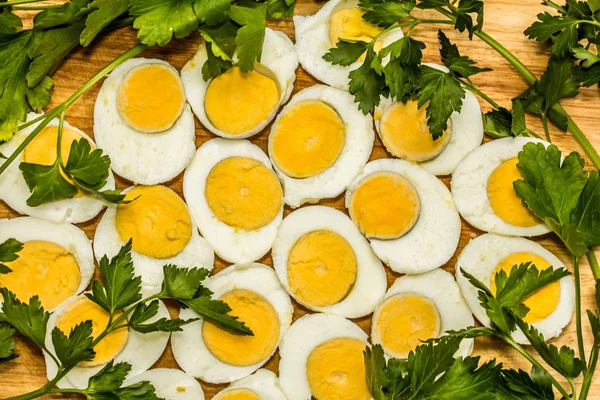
[505, 20]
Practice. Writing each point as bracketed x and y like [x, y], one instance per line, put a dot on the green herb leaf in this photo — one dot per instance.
[109, 379]
[9, 22]
[588, 58]
[46, 183]
[216, 311]
[138, 391]
[250, 36]
[157, 21]
[402, 71]
[142, 313]
[557, 82]
[88, 168]
[221, 39]
[7, 343]
[346, 52]
[462, 66]
[386, 13]
[497, 123]
[76, 347]
[69, 13]
[182, 283]
[121, 287]
[29, 319]
[212, 12]
[280, 8]
[588, 76]
[428, 361]
[375, 366]
[464, 18]
[366, 83]
[103, 12]
[536, 385]
[8, 252]
[586, 215]
[561, 29]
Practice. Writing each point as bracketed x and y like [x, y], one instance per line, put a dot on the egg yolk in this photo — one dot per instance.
[158, 221]
[151, 98]
[336, 370]
[504, 200]
[42, 149]
[349, 24]
[541, 303]
[237, 101]
[243, 193]
[259, 315]
[321, 268]
[385, 205]
[44, 269]
[405, 133]
[308, 139]
[404, 320]
[84, 309]
[238, 394]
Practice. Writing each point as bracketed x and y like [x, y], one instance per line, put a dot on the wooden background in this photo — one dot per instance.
[504, 19]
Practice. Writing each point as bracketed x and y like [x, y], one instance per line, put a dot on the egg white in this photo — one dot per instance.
[467, 131]
[469, 186]
[263, 382]
[369, 287]
[141, 351]
[481, 256]
[188, 346]
[144, 158]
[107, 242]
[434, 238]
[358, 143]
[439, 287]
[15, 192]
[231, 244]
[73, 239]
[170, 384]
[313, 42]
[306, 334]
[278, 57]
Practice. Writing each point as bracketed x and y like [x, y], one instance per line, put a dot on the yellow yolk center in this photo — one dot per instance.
[243, 193]
[42, 149]
[405, 133]
[158, 221]
[385, 205]
[349, 24]
[308, 139]
[543, 302]
[238, 394]
[503, 198]
[336, 370]
[151, 98]
[321, 268]
[44, 269]
[259, 315]
[84, 309]
[403, 321]
[238, 101]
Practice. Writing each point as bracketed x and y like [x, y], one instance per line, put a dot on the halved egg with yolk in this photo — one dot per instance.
[261, 385]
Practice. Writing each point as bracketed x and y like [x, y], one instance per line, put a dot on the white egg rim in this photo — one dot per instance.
[365, 294]
[469, 186]
[439, 287]
[196, 87]
[32, 228]
[108, 242]
[310, 34]
[466, 135]
[405, 254]
[222, 237]
[73, 210]
[293, 357]
[181, 136]
[78, 377]
[487, 244]
[157, 376]
[189, 341]
[358, 144]
[262, 382]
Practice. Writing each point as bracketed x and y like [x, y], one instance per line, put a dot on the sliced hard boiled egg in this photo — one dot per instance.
[482, 187]
[234, 198]
[319, 143]
[42, 150]
[324, 262]
[142, 121]
[256, 297]
[170, 384]
[406, 213]
[261, 385]
[417, 308]
[55, 264]
[162, 232]
[550, 308]
[236, 104]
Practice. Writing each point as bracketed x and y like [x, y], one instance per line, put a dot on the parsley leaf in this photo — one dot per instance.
[8, 252]
[88, 168]
[216, 311]
[346, 52]
[182, 283]
[76, 347]
[462, 66]
[214, 66]
[29, 319]
[557, 83]
[144, 312]
[367, 82]
[403, 68]
[46, 183]
[7, 343]
[443, 95]
[587, 213]
[561, 29]
[221, 39]
[103, 12]
[212, 12]
[107, 385]
[498, 123]
[588, 58]
[157, 21]
[70, 12]
[386, 13]
[537, 384]
[121, 287]
[250, 36]
[428, 361]
[464, 18]
[375, 366]
[588, 76]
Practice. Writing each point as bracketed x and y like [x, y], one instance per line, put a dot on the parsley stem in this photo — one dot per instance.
[15, 2]
[593, 261]
[36, 8]
[59, 136]
[39, 392]
[545, 125]
[478, 92]
[578, 310]
[135, 50]
[589, 373]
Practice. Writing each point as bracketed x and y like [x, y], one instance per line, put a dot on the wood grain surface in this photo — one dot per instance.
[504, 19]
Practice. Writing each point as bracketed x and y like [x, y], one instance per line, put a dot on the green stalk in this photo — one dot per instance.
[578, 309]
[15, 2]
[589, 374]
[135, 50]
[36, 8]
[591, 256]
[478, 92]
[39, 392]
